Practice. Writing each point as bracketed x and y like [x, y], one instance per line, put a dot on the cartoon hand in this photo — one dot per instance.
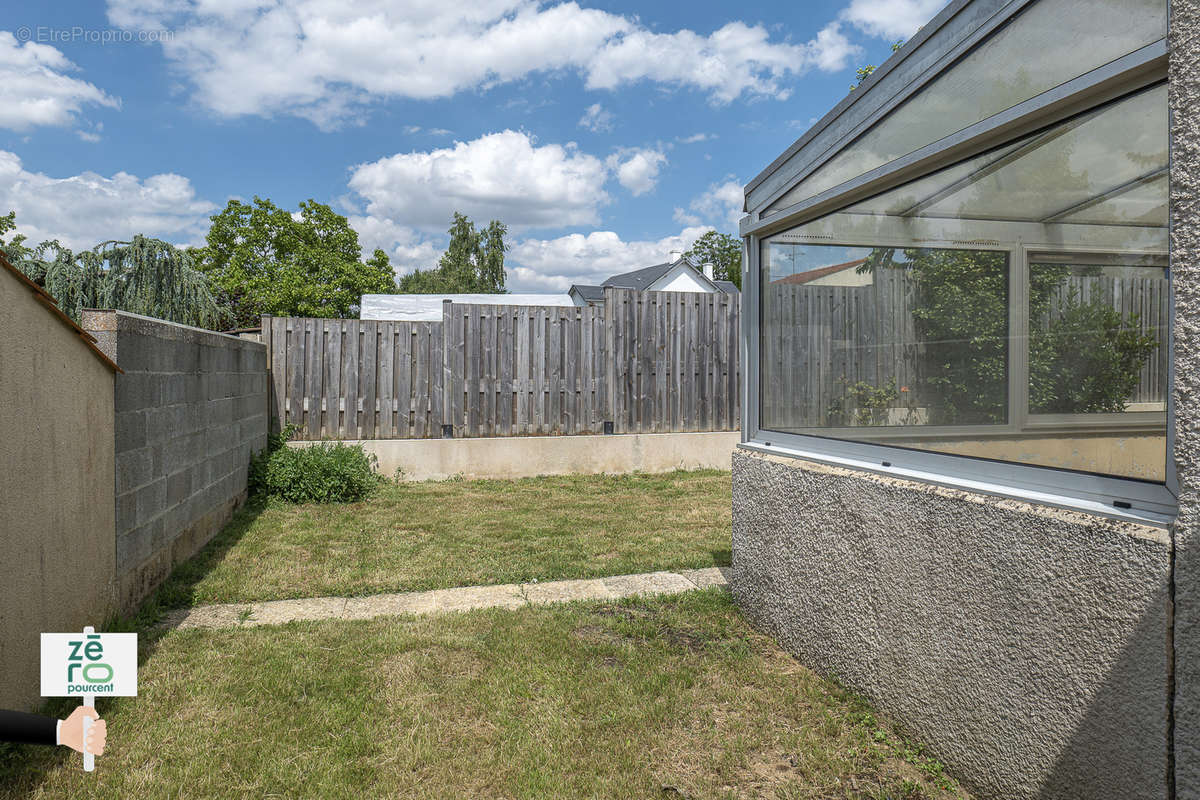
[72, 731]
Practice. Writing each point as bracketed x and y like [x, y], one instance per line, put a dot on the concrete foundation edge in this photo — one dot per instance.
[519, 457]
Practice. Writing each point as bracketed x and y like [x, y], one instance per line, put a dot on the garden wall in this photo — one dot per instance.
[56, 505]
[505, 457]
[1029, 647]
[190, 409]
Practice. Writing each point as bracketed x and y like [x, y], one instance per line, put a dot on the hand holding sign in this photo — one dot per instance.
[85, 665]
[72, 731]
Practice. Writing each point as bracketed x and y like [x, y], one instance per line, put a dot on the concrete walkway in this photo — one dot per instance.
[463, 598]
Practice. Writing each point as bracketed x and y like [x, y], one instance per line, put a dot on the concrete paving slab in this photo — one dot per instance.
[222, 616]
[648, 583]
[708, 577]
[566, 591]
[463, 598]
[389, 605]
[277, 612]
[506, 595]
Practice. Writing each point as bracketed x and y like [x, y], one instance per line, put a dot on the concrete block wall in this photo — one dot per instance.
[190, 409]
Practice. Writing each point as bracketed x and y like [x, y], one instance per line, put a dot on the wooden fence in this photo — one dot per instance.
[646, 362]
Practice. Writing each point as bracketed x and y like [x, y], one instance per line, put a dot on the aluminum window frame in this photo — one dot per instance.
[1122, 498]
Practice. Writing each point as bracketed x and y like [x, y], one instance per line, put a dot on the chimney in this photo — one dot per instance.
[675, 256]
[708, 270]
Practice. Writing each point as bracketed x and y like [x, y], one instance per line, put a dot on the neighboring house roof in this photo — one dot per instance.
[640, 279]
[428, 307]
[644, 280]
[589, 294]
[43, 297]
[813, 274]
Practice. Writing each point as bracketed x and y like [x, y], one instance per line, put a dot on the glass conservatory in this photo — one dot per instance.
[961, 273]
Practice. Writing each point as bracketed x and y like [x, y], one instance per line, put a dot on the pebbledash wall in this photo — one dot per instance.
[190, 409]
[1042, 653]
[1028, 646]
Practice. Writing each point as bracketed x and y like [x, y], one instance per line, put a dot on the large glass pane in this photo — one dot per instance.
[1035, 52]
[1014, 306]
[1097, 335]
[883, 336]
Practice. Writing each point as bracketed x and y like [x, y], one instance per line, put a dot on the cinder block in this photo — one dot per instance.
[160, 535]
[129, 430]
[126, 516]
[134, 469]
[179, 488]
[187, 358]
[134, 547]
[174, 389]
[151, 500]
[134, 390]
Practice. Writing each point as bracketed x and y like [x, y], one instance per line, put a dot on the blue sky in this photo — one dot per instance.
[605, 134]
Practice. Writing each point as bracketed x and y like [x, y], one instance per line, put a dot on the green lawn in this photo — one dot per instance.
[417, 536]
[668, 698]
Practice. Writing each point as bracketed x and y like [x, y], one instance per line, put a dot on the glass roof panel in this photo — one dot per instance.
[1033, 53]
[1142, 203]
[1102, 168]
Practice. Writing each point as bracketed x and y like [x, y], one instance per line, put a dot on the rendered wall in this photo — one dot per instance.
[56, 504]
[1184, 92]
[1027, 646]
[191, 408]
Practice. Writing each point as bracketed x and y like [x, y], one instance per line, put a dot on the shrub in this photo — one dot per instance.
[320, 473]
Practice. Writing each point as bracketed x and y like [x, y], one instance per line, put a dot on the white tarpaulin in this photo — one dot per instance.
[428, 307]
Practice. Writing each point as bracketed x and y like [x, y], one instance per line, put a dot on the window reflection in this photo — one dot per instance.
[1096, 335]
[1014, 306]
[885, 336]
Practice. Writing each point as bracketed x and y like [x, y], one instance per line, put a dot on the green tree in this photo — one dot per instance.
[472, 264]
[721, 250]
[264, 260]
[1088, 359]
[143, 276]
[14, 248]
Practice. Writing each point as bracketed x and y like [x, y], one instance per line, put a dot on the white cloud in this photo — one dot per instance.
[552, 265]
[83, 210]
[696, 137]
[736, 59]
[596, 119]
[415, 129]
[328, 61]
[407, 248]
[720, 206]
[637, 170]
[35, 89]
[504, 176]
[733, 60]
[891, 19]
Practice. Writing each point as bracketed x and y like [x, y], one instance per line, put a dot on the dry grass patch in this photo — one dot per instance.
[673, 697]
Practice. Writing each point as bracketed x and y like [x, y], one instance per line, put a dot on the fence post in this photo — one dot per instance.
[610, 366]
[448, 420]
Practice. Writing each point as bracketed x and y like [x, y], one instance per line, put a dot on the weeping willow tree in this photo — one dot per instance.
[143, 276]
